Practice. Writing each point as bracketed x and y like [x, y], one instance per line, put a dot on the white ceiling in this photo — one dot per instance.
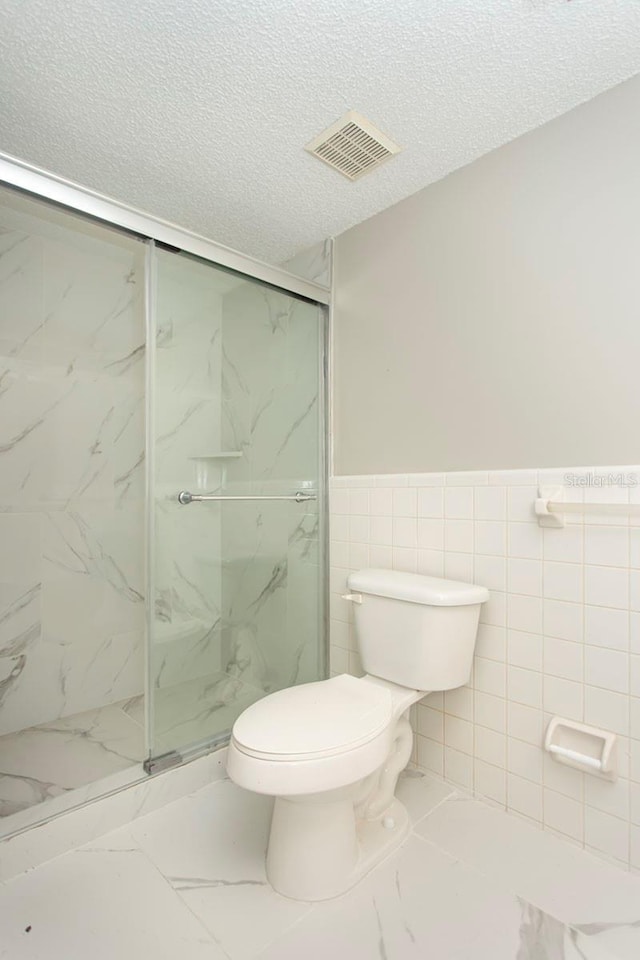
[198, 110]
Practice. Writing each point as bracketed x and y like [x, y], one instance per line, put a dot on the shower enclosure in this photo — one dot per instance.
[162, 493]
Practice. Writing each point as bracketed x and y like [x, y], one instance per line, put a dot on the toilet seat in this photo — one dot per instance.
[315, 737]
[314, 720]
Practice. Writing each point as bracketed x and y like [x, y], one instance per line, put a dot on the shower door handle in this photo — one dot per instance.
[184, 497]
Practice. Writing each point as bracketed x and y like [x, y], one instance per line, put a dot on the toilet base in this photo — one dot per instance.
[318, 851]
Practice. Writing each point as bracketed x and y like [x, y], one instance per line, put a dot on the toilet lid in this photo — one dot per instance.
[314, 719]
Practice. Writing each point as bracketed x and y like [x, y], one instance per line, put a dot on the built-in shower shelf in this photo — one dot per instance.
[222, 455]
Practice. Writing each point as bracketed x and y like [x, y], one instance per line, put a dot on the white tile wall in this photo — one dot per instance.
[559, 635]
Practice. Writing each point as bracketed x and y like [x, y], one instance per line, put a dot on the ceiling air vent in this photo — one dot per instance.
[353, 146]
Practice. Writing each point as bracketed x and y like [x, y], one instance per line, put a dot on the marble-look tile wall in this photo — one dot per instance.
[560, 634]
[313, 263]
[272, 574]
[71, 465]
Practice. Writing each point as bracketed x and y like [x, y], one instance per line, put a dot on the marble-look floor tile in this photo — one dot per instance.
[540, 868]
[99, 904]
[424, 903]
[211, 849]
[421, 793]
[86, 822]
[126, 895]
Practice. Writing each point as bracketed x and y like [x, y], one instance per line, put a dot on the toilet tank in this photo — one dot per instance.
[416, 631]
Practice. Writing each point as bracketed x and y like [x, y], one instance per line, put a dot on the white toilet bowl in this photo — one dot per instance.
[331, 752]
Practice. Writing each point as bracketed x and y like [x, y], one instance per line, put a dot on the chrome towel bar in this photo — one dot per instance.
[184, 497]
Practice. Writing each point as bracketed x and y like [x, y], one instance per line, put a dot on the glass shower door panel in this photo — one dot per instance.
[237, 585]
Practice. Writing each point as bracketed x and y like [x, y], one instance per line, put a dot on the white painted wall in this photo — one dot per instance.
[491, 320]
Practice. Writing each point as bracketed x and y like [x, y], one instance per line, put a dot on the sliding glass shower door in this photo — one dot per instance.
[236, 476]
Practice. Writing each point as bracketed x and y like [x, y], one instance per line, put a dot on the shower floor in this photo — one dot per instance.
[77, 758]
[44, 763]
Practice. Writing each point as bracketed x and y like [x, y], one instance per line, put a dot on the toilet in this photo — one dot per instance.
[331, 752]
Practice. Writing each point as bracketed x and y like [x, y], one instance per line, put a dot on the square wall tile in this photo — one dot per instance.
[606, 668]
[604, 627]
[525, 540]
[564, 659]
[458, 734]
[430, 755]
[525, 723]
[430, 723]
[490, 782]
[459, 702]
[607, 834]
[430, 502]
[563, 814]
[524, 650]
[431, 563]
[458, 566]
[562, 779]
[564, 545]
[381, 556]
[562, 581]
[405, 532]
[524, 686]
[606, 709]
[489, 677]
[606, 546]
[564, 698]
[525, 760]
[405, 502]
[458, 536]
[494, 611]
[381, 530]
[563, 620]
[490, 503]
[431, 534]
[525, 577]
[490, 746]
[609, 797]
[607, 586]
[458, 503]
[491, 537]
[490, 572]
[524, 797]
[358, 501]
[491, 642]
[381, 502]
[489, 711]
[524, 613]
[521, 501]
[458, 768]
[404, 559]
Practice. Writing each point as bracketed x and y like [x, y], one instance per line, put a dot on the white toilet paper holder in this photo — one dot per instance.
[582, 747]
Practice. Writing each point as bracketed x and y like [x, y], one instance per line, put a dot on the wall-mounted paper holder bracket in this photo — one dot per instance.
[541, 506]
[582, 747]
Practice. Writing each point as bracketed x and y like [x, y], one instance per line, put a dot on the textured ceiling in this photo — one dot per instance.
[198, 110]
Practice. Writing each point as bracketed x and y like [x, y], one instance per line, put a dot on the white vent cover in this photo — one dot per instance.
[353, 146]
